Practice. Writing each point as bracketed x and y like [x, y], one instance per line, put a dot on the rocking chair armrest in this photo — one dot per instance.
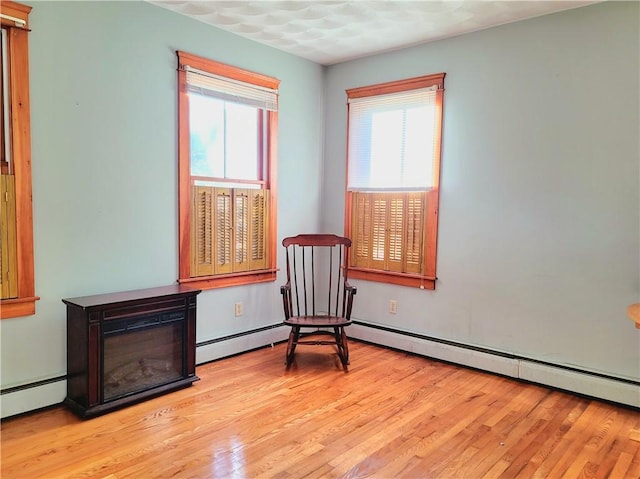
[285, 288]
[350, 289]
[285, 291]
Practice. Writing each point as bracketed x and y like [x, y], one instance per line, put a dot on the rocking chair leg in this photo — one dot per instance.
[345, 344]
[291, 345]
[341, 343]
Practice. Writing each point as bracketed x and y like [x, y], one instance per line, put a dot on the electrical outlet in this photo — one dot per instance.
[239, 309]
[393, 306]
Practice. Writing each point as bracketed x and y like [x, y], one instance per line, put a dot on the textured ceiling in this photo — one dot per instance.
[329, 32]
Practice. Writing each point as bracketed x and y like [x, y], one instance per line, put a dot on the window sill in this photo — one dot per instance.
[13, 308]
[224, 281]
[414, 281]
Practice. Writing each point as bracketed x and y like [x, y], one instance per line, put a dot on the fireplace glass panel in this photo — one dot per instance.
[142, 353]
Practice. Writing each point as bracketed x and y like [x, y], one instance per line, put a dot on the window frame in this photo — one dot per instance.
[269, 172]
[20, 124]
[426, 280]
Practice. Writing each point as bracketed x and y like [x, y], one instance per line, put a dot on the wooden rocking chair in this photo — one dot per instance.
[317, 295]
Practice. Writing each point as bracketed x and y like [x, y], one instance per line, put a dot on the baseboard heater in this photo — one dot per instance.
[593, 384]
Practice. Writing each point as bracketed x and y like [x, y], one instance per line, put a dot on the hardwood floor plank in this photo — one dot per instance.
[622, 465]
[391, 415]
[572, 458]
[550, 438]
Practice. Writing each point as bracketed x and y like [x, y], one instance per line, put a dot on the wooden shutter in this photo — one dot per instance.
[258, 228]
[388, 231]
[415, 233]
[211, 231]
[8, 245]
[241, 229]
[395, 233]
[361, 230]
[202, 231]
[224, 222]
[229, 230]
[369, 230]
[250, 229]
[378, 221]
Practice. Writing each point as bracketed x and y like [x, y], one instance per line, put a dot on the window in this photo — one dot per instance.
[394, 136]
[16, 256]
[228, 124]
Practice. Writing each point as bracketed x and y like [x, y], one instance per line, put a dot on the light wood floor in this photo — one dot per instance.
[392, 415]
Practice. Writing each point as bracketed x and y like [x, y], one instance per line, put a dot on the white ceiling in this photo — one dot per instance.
[329, 32]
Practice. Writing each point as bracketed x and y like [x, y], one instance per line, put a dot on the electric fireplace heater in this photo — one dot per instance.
[125, 347]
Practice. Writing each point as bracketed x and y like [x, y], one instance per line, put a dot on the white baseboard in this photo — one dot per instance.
[581, 382]
[30, 399]
[446, 352]
[236, 345]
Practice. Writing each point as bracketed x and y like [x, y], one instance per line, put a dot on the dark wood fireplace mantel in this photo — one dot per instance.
[125, 347]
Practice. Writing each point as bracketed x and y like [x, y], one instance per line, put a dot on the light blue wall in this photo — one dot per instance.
[539, 220]
[538, 248]
[104, 129]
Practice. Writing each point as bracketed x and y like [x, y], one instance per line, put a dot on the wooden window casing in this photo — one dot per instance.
[227, 236]
[22, 302]
[394, 233]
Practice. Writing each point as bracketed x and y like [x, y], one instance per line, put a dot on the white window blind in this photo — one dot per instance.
[392, 141]
[231, 90]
